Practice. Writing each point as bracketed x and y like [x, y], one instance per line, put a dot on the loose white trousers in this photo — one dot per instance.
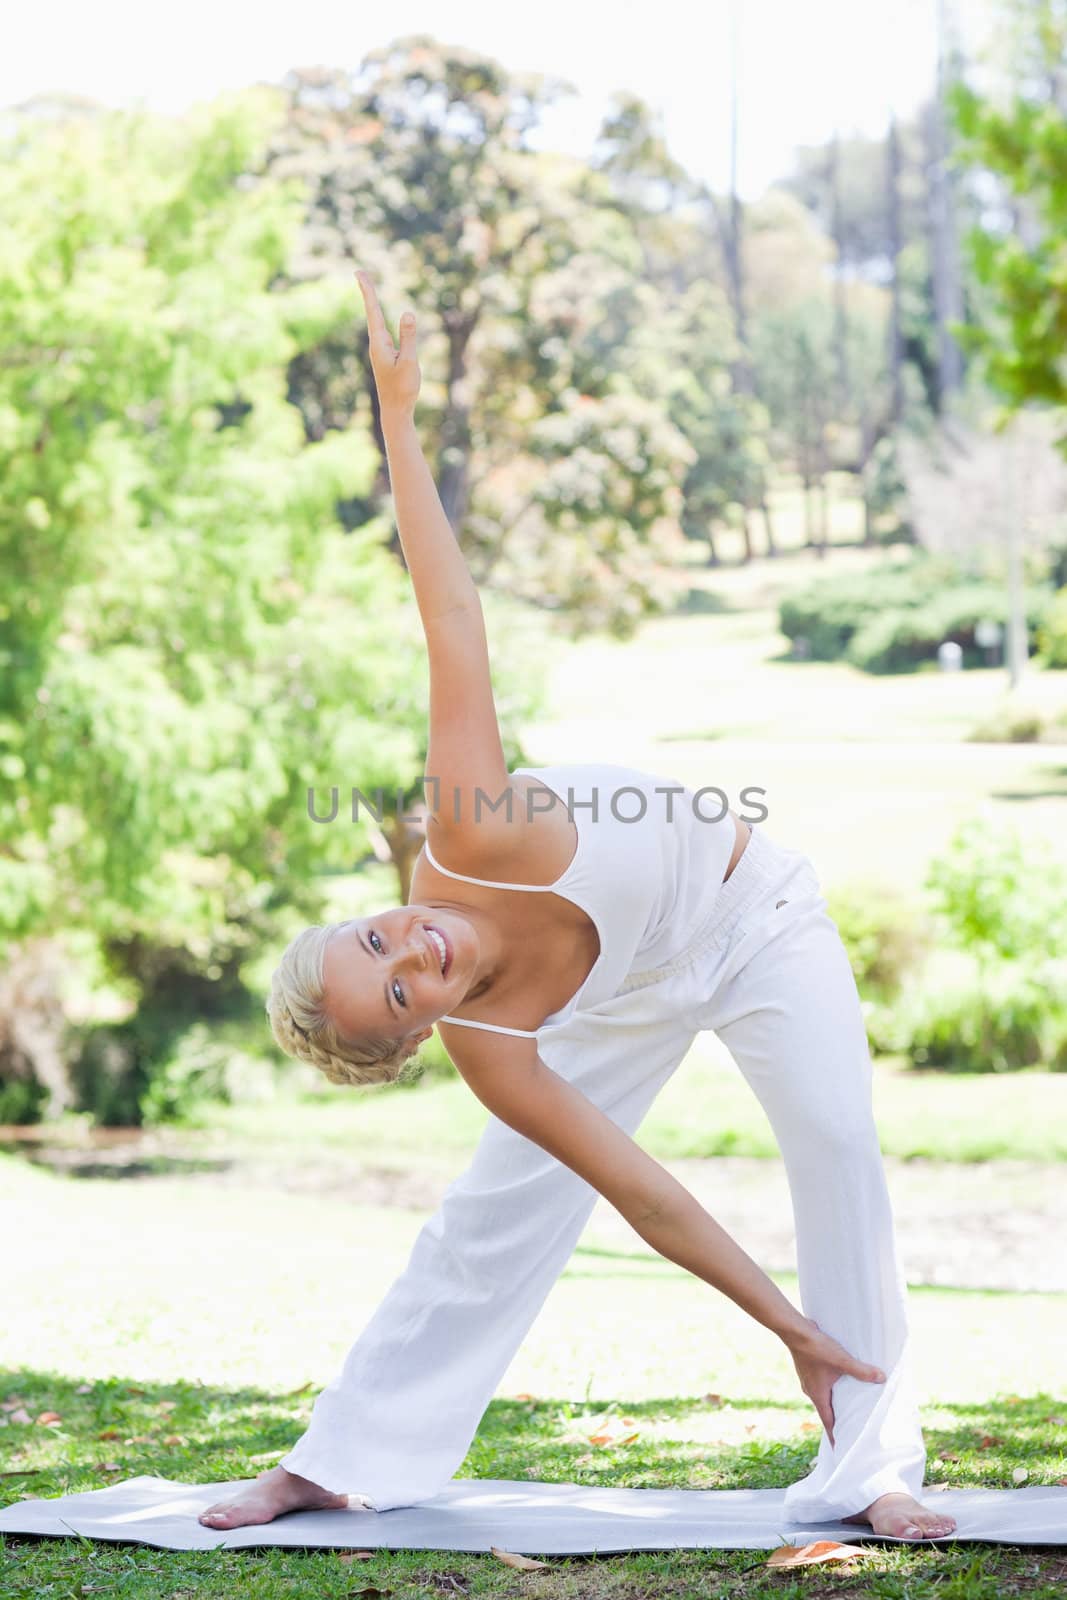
[773, 981]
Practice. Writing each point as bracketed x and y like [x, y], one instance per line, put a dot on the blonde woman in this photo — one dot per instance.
[570, 933]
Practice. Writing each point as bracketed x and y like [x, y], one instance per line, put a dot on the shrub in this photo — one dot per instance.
[884, 934]
[1052, 634]
[995, 897]
[1000, 1018]
[894, 617]
[1008, 722]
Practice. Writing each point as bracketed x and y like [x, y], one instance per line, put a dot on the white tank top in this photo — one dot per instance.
[650, 860]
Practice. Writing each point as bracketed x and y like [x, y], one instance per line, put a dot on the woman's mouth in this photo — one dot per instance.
[441, 946]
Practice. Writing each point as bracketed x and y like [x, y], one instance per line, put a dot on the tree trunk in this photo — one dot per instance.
[896, 337]
[746, 534]
[453, 471]
[839, 289]
[948, 293]
[768, 527]
[713, 554]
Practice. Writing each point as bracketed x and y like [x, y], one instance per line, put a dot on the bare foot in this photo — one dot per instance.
[904, 1518]
[272, 1494]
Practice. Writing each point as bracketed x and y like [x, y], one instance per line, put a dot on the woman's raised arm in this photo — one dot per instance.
[464, 749]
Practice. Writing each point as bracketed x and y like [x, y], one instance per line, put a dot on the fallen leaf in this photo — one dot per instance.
[303, 1389]
[630, 1437]
[524, 1397]
[135, 1391]
[807, 1555]
[810, 1427]
[947, 1455]
[509, 1559]
[47, 1417]
[140, 1438]
[1062, 1482]
[20, 1415]
[108, 1433]
[1019, 1475]
[988, 1439]
[713, 1399]
[108, 1466]
[355, 1555]
[174, 1438]
[600, 1438]
[627, 1422]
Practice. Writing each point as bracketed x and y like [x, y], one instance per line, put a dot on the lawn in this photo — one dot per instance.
[208, 1317]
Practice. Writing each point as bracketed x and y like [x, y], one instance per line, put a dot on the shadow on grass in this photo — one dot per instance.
[703, 602]
[194, 1433]
[104, 1430]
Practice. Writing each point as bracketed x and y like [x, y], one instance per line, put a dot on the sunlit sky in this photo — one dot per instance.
[806, 66]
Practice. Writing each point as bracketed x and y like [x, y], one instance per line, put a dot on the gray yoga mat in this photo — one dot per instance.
[530, 1518]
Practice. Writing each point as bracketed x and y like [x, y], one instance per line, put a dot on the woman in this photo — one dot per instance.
[570, 932]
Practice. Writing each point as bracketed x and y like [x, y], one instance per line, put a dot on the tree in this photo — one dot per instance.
[1017, 256]
[189, 640]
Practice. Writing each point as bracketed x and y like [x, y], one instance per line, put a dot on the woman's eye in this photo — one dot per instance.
[398, 993]
[371, 937]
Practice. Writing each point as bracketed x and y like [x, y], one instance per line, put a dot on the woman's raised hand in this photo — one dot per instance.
[396, 372]
[820, 1361]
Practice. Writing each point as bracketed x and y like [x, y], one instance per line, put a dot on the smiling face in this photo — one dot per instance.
[383, 974]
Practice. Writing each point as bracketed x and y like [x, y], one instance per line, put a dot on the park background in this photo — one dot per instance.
[745, 392]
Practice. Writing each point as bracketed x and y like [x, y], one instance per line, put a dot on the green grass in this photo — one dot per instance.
[207, 1318]
[706, 1109]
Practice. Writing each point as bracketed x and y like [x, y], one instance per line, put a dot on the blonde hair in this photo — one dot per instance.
[303, 1028]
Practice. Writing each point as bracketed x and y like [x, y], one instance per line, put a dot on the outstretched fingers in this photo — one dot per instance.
[379, 333]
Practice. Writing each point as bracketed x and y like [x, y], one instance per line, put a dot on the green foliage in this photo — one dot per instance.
[1052, 632]
[885, 936]
[1009, 722]
[1005, 1017]
[189, 640]
[893, 617]
[1004, 905]
[998, 897]
[1024, 143]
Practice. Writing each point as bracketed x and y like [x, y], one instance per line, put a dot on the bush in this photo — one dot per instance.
[899, 640]
[995, 897]
[894, 617]
[884, 935]
[998, 1019]
[1008, 722]
[1052, 634]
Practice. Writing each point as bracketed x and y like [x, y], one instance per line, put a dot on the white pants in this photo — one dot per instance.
[774, 983]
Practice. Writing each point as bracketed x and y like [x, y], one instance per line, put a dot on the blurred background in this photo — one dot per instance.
[742, 338]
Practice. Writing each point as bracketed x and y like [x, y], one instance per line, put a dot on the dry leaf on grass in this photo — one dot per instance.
[48, 1417]
[355, 1555]
[808, 1555]
[600, 1438]
[510, 1559]
[109, 1433]
[1019, 1475]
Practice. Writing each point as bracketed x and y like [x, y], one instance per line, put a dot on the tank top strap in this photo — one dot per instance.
[484, 883]
[490, 1027]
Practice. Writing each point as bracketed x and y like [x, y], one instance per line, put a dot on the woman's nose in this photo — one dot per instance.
[416, 952]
